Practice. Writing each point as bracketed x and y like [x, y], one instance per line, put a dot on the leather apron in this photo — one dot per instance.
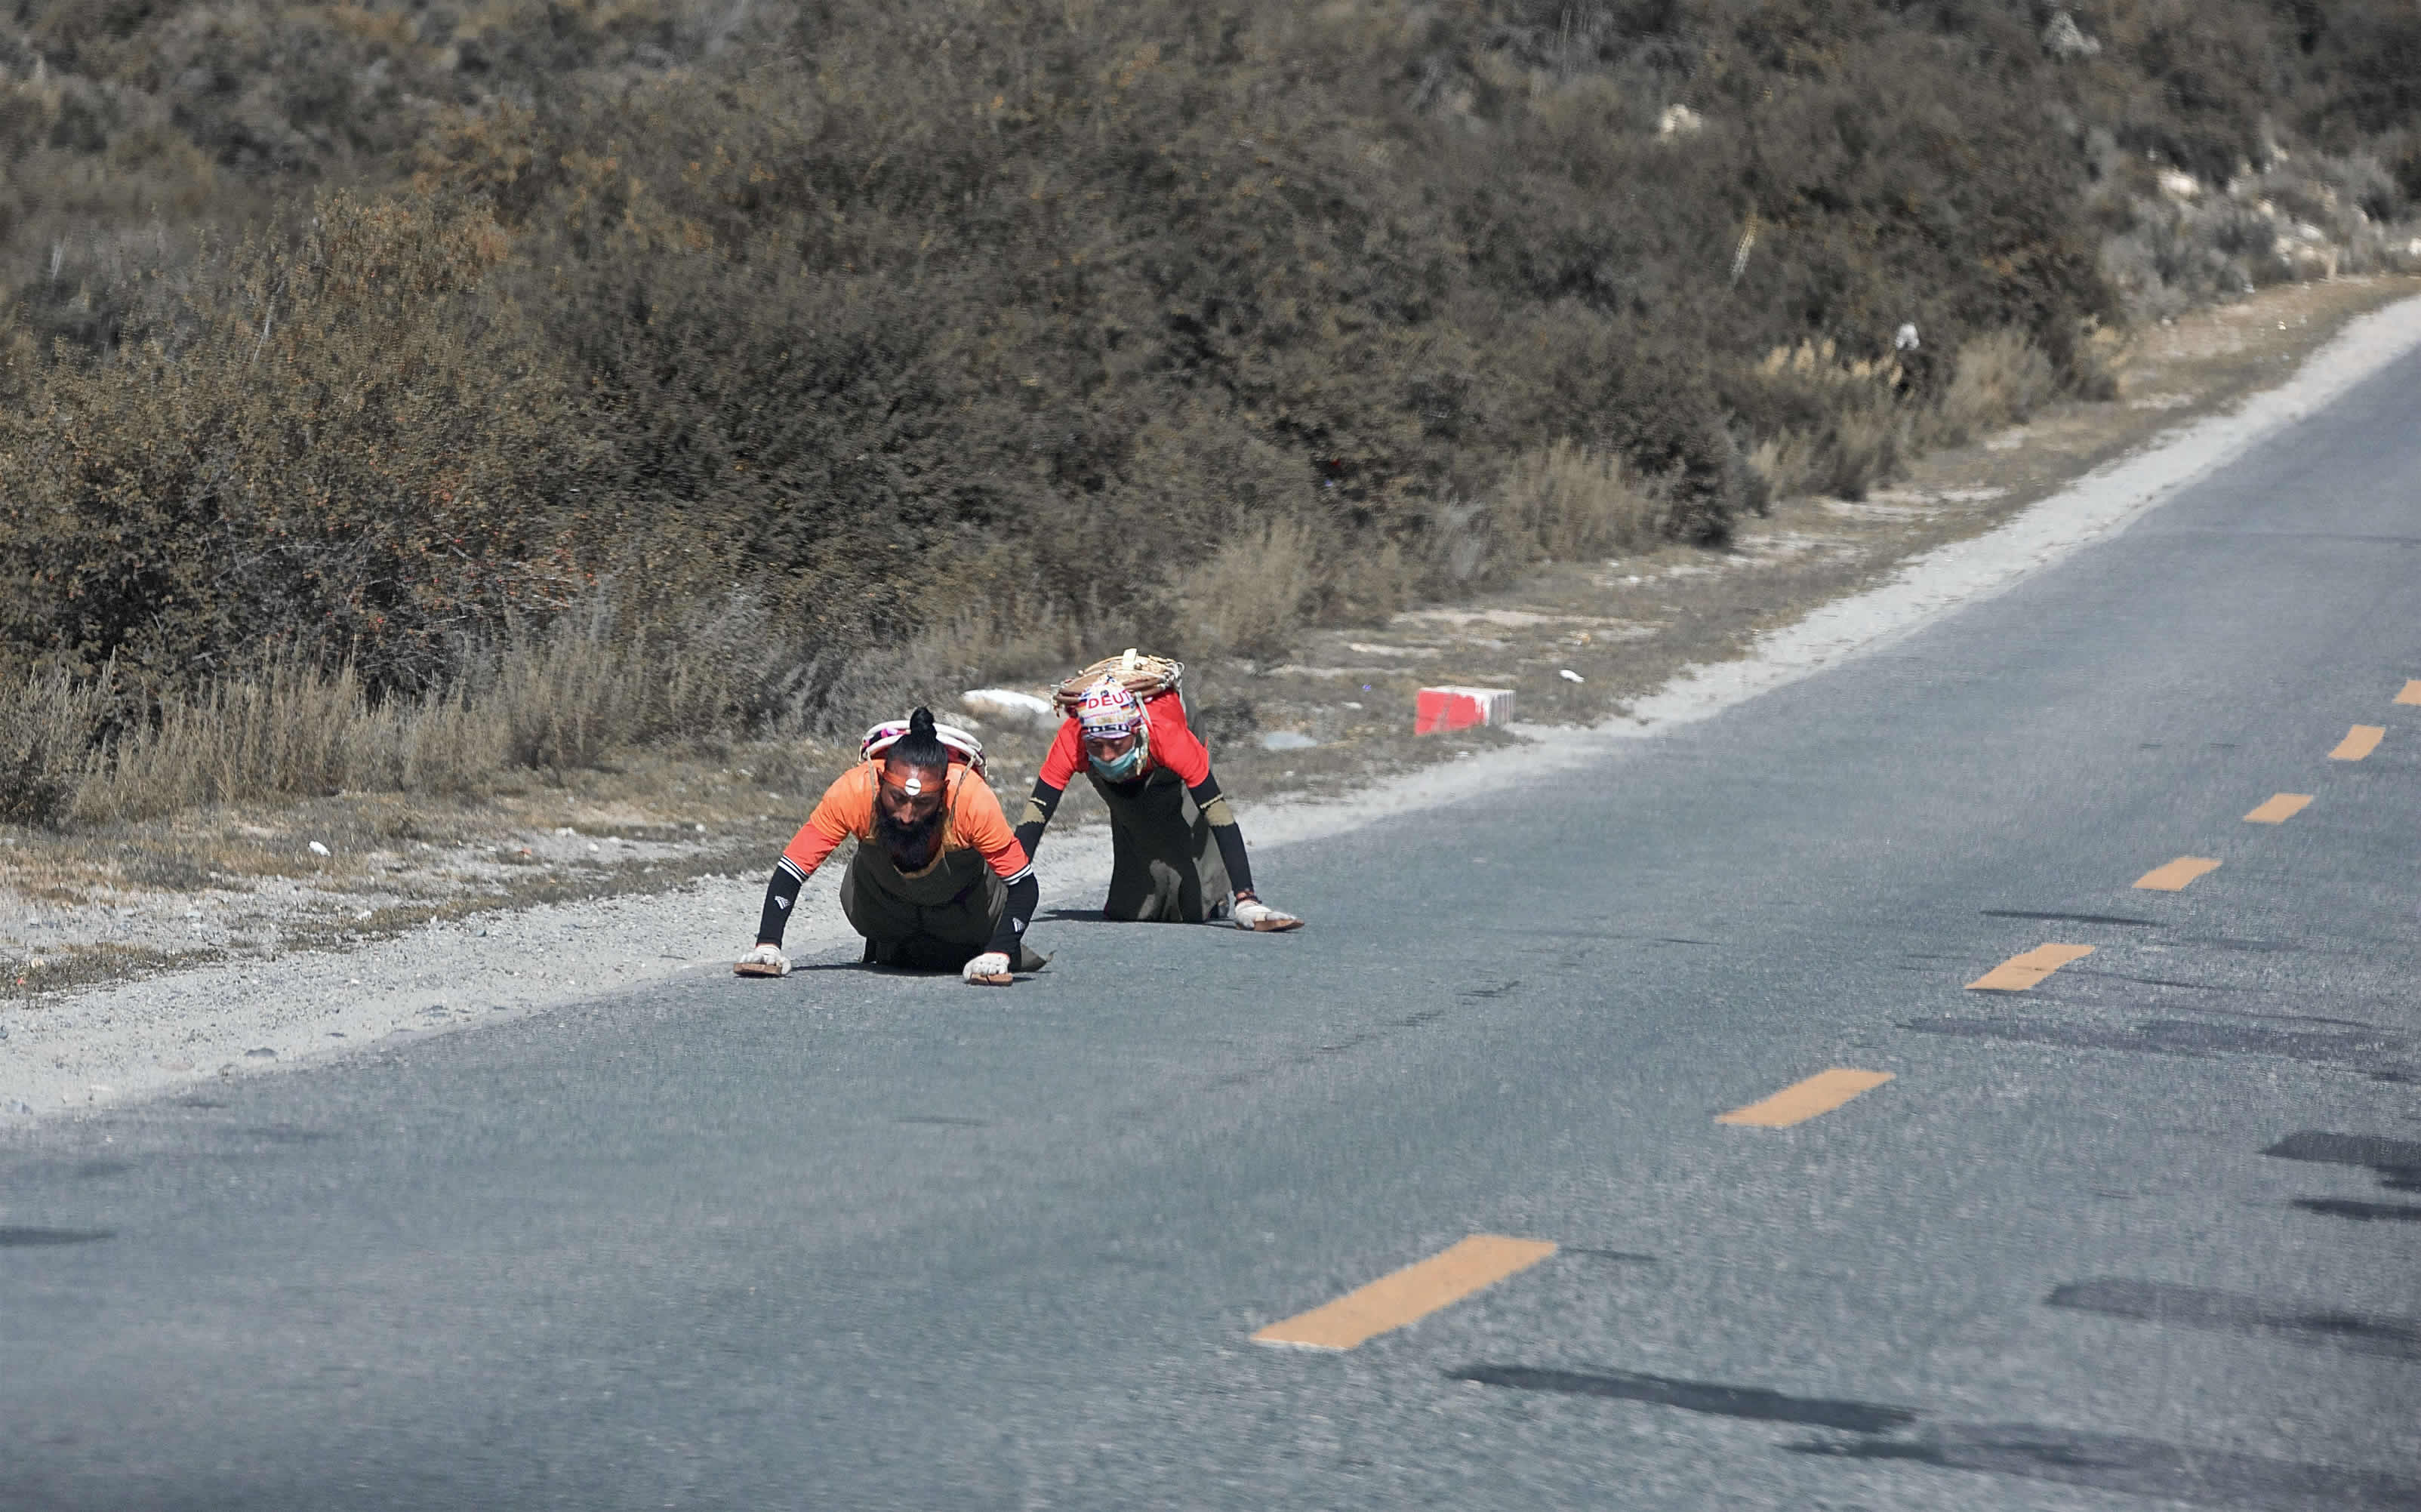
[1165, 864]
[936, 919]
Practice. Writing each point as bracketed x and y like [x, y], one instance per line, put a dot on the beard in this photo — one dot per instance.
[907, 843]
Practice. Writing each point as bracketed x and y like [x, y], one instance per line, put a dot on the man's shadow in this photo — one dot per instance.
[869, 967]
[878, 969]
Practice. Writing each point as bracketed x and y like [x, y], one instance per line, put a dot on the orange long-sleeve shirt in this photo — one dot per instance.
[974, 822]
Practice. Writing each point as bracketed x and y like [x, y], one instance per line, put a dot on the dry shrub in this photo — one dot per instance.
[281, 734]
[2091, 371]
[2001, 379]
[557, 699]
[1834, 422]
[1250, 595]
[349, 447]
[47, 728]
[2309, 214]
[1863, 448]
[1788, 462]
[291, 731]
[1368, 581]
[1466, 547]
[603, 677]
[569, 697]
[1568, 502]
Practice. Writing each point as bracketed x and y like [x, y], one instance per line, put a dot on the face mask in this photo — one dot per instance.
[1123, 767]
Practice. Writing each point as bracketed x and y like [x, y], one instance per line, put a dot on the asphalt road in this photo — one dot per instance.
[857, 1239]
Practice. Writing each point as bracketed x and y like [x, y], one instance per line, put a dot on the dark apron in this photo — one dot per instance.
[1165, 863]
[937, 919]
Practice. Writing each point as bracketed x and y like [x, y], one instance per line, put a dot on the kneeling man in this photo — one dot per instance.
[938, 881]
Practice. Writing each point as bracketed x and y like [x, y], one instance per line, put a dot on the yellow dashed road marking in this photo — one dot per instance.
[1802, 1101]
[2360, 741]
[2020, 972]
[2279, 809]
[1409, 1294]
[2412, 693]
[2174, 877]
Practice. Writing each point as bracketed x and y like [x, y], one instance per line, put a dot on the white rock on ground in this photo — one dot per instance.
[1011, 707]
[141, 1038]
[1679, 120]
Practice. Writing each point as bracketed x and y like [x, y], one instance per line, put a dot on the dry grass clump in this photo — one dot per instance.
[1787, 462]
[1568, 502]
[1838, 423]
[47, 726]
[2001, 379]
[1876, 417]
[293, 731]
[565, 701]
[607, 675]
[1849, 454]
[564, 697]
[1249, 598]
[1864, 448]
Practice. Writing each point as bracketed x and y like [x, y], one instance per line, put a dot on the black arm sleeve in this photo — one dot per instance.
[1016, 911]
[1224, 830]
[1040, 806]
[780, 894]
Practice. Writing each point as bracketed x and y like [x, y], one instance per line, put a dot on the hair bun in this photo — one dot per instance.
[921, 722]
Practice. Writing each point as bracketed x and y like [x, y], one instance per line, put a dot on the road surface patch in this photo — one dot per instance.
[2127, 919]
[2365, 1050]
[14, 1238]
[2399, 1212]
[2197, 1307]
[2174, 876]
[1409, 1294]
[2396, 1161]
[1755, 1403]
[2023, 971]
[2130, 1467]
[1802, 1100]
[2412, 693]
[2279, 808]
[2360, 741]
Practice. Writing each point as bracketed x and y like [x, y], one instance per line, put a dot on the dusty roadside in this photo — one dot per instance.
[227, 942]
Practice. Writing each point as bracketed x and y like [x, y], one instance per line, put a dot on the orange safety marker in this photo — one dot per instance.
[2412, 693]
[2173, 877]
[2279, 808]
[2020, 972]
[2360, 741]
[1409, 1294]
[1802, 1101]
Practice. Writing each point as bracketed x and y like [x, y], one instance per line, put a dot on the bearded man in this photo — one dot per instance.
[938, 881]
[1177, 852]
